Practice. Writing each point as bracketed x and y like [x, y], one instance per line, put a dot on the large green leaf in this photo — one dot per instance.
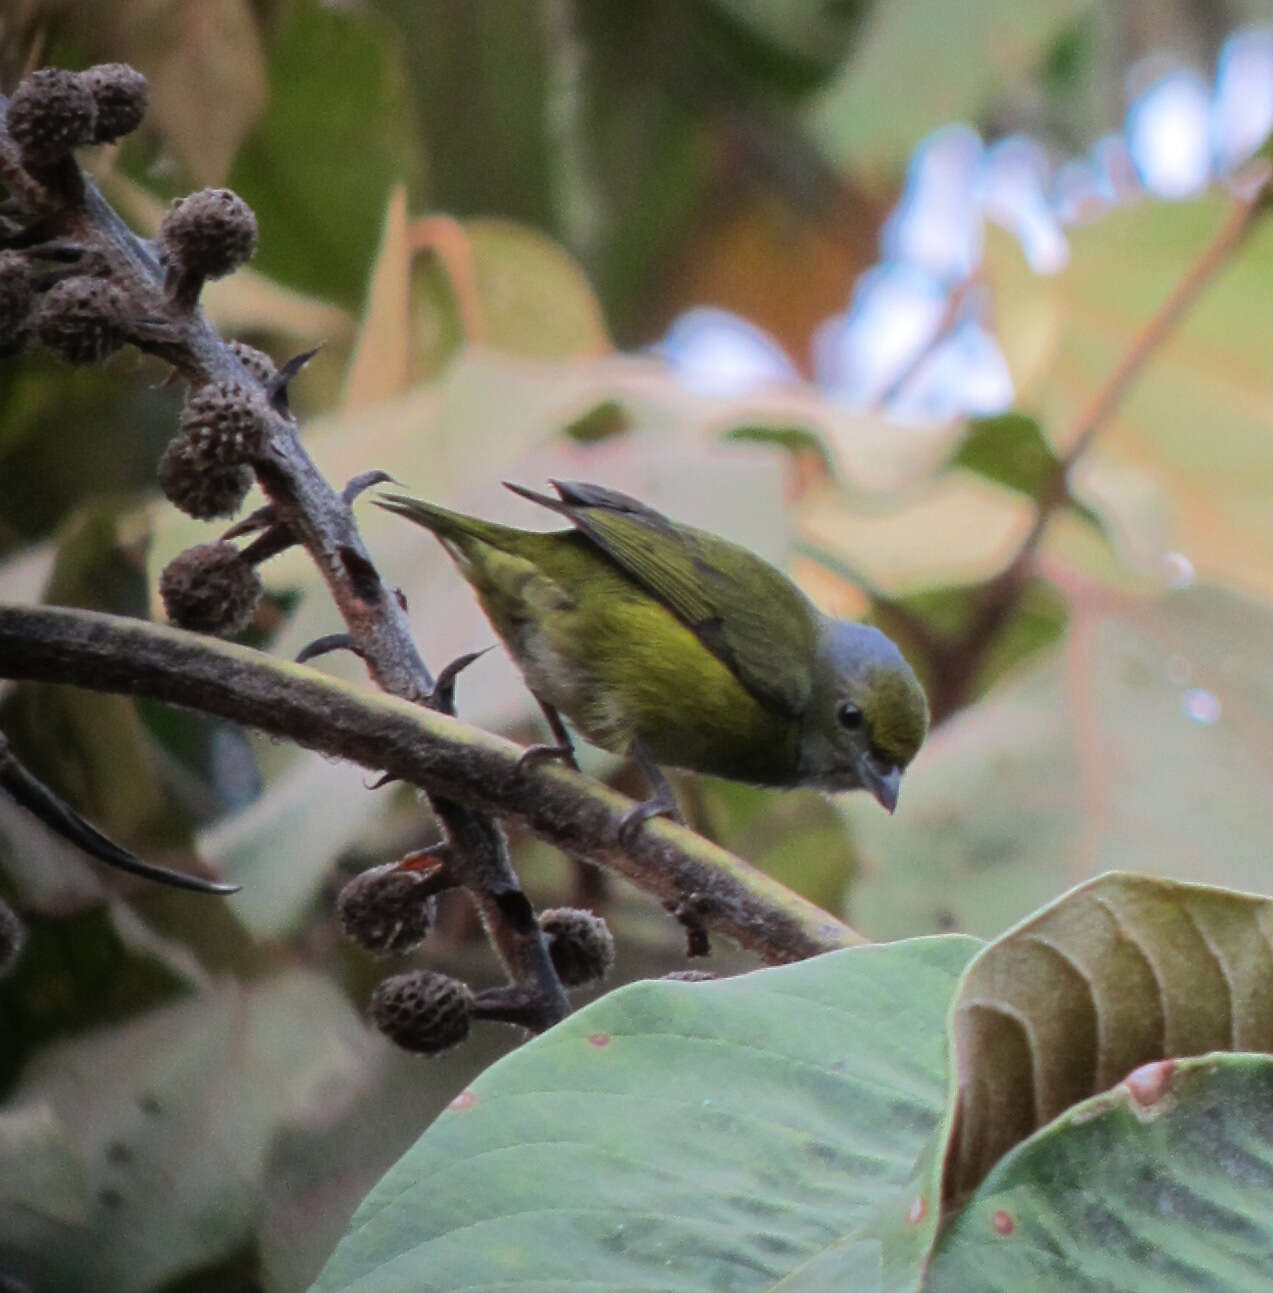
[317, 171]
[1142, 743]
[781, 1130]
[1162, 1185]
[495, 153]
[675, 1136]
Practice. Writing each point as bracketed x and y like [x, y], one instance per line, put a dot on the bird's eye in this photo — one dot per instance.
[849, 715]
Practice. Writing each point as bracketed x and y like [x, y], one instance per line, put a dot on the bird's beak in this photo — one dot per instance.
[883, 782]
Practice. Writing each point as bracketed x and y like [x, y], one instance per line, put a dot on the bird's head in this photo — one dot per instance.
[867, 714]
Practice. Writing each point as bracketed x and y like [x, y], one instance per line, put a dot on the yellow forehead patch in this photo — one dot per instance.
[897, 710]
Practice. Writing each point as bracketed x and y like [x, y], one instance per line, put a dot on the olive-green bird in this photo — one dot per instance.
[680, 648]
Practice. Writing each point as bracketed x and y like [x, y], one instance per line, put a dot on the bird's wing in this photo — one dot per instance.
[743, 610]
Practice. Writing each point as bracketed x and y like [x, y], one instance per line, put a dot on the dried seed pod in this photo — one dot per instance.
[201, 491]
[17, 296]
[423, 1011]
[81, 319]
[387, 909]
[51, 112]
[225, 424]
[206, 235]
[210, 588]
[121, 94]
[580, 944]
[257, 362]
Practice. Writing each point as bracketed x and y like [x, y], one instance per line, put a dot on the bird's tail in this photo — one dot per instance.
[453, 528]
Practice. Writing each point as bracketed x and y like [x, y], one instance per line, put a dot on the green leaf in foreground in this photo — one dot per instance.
[676, 1136]
[781, 1130]
[1162, 1185]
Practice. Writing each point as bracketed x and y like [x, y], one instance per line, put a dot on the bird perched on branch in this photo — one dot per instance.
[678, 647]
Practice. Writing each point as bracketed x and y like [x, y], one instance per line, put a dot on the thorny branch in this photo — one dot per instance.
[58, 206]
[434, 752]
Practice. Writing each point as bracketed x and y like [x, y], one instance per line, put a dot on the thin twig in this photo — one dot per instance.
[961, 660]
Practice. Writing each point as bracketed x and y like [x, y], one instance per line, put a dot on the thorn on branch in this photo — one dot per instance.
[278, 538]
[33, 795]
[364, 482]
[436, 860]
[64, 250]
[276, 387]
[262, 519]
[22, 237]
[512, 1005]
[442, 698]
[324, 645]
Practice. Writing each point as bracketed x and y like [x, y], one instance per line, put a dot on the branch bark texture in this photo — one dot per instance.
[438, 754]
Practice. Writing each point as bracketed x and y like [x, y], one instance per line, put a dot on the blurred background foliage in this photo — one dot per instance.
[499, 219]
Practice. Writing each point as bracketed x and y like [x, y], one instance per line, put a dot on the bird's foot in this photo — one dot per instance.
[533, 755]
[663, 804]
[660, 804]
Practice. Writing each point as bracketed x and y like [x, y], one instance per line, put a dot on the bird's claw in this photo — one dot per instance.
[533, 755]
[637, 817]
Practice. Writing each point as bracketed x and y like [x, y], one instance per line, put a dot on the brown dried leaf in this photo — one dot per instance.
[380, 367]
[1123, 971]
